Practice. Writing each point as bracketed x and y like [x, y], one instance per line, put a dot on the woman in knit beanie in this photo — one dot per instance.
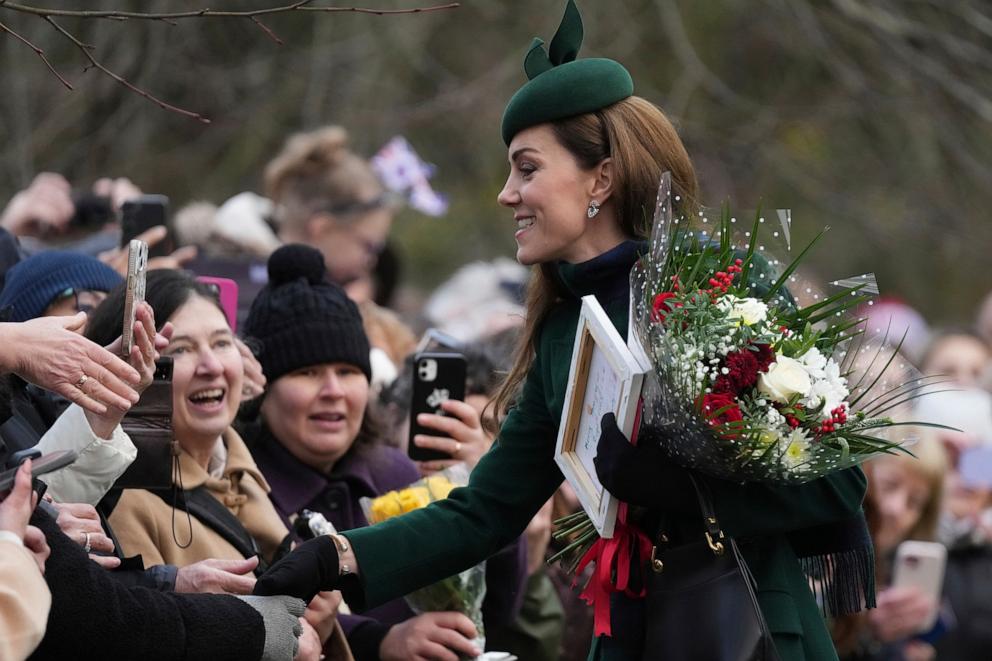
[55, 283]
[315, 442]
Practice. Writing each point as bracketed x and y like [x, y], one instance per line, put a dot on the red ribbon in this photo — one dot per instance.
[612, 574]
[612, 557]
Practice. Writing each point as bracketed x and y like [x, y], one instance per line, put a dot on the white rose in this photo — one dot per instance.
[749, 310]
[785, 377]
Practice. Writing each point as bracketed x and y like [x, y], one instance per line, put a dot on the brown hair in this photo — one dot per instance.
[317, 172]
[643, 144]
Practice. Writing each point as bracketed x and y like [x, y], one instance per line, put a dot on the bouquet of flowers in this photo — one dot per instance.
[462, 592]
[744, 382]
[747, 384]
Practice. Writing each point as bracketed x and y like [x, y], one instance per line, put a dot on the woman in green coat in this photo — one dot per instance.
[585, 159]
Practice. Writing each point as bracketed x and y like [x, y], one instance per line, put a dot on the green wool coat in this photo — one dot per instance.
[519, 474]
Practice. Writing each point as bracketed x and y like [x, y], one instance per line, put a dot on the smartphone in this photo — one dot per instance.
[137, 267]
[44, 464]
[921, 565]
[227, 292]
[437, 377]
[142, 214]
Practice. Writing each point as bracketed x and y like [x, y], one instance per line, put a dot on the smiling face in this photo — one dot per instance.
[549, 194]
[316, 412]
[207, 374]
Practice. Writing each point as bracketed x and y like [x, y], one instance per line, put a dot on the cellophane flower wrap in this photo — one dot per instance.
[746, 382]
[463, 592]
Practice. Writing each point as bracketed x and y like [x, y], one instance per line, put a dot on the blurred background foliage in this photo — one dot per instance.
[873, 118]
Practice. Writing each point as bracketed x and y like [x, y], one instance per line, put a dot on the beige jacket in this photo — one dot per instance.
[146, 524]
[24, 601]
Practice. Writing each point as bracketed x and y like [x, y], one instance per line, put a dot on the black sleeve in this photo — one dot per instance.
[94, 615]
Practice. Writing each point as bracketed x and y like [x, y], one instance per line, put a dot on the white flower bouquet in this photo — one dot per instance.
[746, 384]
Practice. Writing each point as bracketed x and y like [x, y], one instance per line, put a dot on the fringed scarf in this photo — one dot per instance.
[839, 561]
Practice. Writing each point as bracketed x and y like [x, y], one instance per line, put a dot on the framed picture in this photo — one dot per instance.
[605, 377]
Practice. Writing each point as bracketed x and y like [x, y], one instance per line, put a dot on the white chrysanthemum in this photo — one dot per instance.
[814, 362]
[749, 310]
[795, 449]
[831, 389]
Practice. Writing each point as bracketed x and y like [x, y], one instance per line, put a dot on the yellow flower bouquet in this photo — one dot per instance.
[463, 592]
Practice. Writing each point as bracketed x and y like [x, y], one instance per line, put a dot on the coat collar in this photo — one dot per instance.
[239, 461]
[605, 276]
[295, 484]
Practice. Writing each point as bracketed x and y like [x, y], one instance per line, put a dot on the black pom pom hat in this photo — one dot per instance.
[300, 318]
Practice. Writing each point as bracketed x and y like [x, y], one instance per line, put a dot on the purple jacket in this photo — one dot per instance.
[370, 471]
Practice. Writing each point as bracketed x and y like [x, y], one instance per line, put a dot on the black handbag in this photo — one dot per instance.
[701, 603]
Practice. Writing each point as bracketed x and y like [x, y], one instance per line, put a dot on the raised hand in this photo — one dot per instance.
[465, 438]
[50, 352]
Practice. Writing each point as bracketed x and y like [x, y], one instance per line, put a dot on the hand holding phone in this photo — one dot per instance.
[920, 565]
[437, 378]
[137, 267]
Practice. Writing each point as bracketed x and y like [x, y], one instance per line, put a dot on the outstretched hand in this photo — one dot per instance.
[310, 568]
[51, 352]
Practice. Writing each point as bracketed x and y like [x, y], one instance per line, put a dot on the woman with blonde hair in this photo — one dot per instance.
[327, 196]
[903, 503]
[586, 157]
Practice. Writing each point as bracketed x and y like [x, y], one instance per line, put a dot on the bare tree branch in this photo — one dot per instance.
[301, 5]
[49, 15]
[86, 51]
[40, 54]
[272, 35]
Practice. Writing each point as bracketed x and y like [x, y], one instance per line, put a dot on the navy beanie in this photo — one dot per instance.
[300, 318]
[34, 284]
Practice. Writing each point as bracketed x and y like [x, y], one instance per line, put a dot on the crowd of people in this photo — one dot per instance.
[293, 402]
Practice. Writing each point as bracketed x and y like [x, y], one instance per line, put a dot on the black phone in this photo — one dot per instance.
[142, 214]
[44, 464]
[437, 377]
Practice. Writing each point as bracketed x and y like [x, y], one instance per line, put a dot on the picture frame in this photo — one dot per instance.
[605, 376]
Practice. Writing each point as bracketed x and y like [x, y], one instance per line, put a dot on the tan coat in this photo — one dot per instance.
[145, 523]
[24, 601]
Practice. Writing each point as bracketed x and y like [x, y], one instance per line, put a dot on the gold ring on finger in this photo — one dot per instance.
[458, 449]
[82, 381]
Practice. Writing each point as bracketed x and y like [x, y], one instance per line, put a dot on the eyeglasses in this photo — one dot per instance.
[84, 300]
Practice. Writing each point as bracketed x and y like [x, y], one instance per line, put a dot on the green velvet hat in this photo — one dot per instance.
[561, 86]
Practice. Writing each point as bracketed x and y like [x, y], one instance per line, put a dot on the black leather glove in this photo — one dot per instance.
[638, 474]
[310, 568]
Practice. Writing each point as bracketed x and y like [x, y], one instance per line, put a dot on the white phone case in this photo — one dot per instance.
[921, 565]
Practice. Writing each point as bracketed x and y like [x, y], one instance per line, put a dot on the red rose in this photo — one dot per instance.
[661, 308]
[731, 413]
